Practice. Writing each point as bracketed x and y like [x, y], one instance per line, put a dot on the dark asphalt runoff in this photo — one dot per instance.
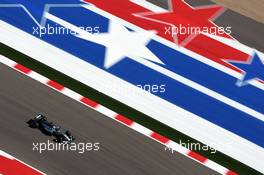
[122, 150]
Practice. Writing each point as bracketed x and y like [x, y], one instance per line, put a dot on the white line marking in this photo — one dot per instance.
[105, 111]
[141, 129]
[68, 92]
[38, 77]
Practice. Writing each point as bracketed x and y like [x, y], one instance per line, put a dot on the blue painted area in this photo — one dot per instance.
[36, 8]
[17, 17]
[209, 77]
[210, 109]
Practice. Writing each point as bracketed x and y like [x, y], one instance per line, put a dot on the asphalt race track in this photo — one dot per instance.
[122, 150]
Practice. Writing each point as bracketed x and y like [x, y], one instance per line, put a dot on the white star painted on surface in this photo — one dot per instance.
[121, 43]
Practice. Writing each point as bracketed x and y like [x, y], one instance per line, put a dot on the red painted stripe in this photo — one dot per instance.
[159, 137]
[231, 173]
[55, 85]
[22, 68]
[14, 167]
[89, 102]
[197, 156]
[217, 51]
[124, 120]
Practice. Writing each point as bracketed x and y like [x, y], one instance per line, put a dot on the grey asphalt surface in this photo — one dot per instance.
[122, 150]
[244, 29]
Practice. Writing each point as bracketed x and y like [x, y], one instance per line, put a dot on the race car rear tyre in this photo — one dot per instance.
[32, 123]
[68, 133]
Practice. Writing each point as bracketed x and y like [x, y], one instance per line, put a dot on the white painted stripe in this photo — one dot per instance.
[38, 77]
[232, 43]
[2, 153]
[261, 55]
[160, 110]
[218, 168]
[7, 61]
[141, 129]
[149, 6]
[71, 94]
[105, 111]
[31, 167]
[177, 147]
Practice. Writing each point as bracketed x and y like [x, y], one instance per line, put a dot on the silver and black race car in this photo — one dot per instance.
[49, 128]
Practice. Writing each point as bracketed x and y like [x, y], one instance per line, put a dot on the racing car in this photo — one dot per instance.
[40, 121]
